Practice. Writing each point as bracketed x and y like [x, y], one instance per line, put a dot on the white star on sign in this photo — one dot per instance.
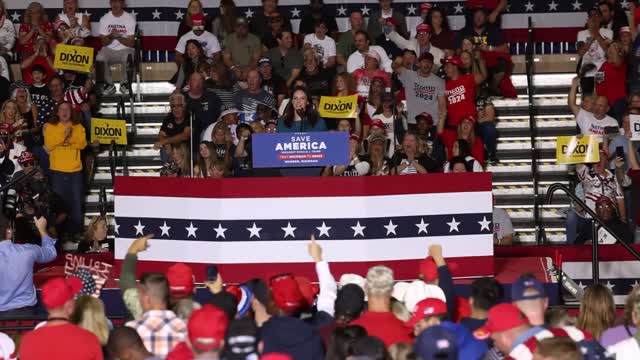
[365, 10]
[116, 227]
[15, 16]
[191, 230]
[295, 13]
[165, 229]
[248, 13]
[411, 10]
[220, 231]
[553, 6]
[254, 231]
[179, 15]
[87, 14]
[422, 226]
[133, 13]
[528, 7]
[453, 225]
[358, 229]
[289, 230]
[391, 228]
[577, 5]
[342, 11]
[484, 224]
[324, 229]
[139, 228]
[156, 14]
[458, 8]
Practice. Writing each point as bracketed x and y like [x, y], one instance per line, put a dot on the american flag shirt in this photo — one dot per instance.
[160, 330]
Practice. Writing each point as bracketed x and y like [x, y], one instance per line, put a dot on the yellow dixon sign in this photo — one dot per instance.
[339, 107]
[75, 58]
[577, 149]
[106, 130]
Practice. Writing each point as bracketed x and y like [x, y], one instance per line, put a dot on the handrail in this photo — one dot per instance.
[113, 158]
[532, 134]
[102, 201]
[594, 242]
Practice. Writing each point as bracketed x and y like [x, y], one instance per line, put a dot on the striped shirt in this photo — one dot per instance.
[160, 330]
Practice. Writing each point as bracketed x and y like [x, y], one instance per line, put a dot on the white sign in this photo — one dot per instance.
[634, 124]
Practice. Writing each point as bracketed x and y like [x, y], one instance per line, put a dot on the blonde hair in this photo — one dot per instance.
[185, 164]
[632, 304]
[401, 351]
[18, 113]
[93, 225]
[34, 6]
[379, 281]
[597, 310]
[89, 315]
[187, 17]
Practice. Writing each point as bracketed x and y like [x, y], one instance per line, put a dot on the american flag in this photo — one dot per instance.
[249, 227]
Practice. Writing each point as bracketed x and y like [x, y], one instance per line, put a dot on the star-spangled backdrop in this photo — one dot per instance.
[254, 226]
[555, 20]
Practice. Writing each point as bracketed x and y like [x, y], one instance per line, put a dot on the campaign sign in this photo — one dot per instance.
[635, 127]
[75, 58]
[105, 131]
[577, 149]
[301, 149]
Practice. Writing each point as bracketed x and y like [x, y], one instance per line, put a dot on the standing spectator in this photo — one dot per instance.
[247, 100]
[160, 329]
[426, 132]
[175, 127]
[421, 44]
[71, 16]
[365, 75]
[33, 41]
[380, 163]
[411, 158]
[461, 149]
[88, 314]
[460, 90]
[195, 57]
[242, 49]
[194, 7]
[286, 61]
[203, 105]
[205, 330]
[7, 34]
[316, 14]
[125, 343]
[485, 293]
[16, 267]
[378, 19]
[487, 127]
[466, 131]
[437, 342]
[528, 295]
[592, 48]
[300, 116]
[424, 9]
[117, 29]
[611, 81]
[595, 120]
[441, 37]
[597, 310]
[363, 45]
[324, 45]
[207, 40]
[272, 82]
[221, 84]
[259, 23]
[64, 138]
[494, 8]
[628, 328]
[614, 17]
[346, 42]
[224, 25]
[59, 338]
[558, 348]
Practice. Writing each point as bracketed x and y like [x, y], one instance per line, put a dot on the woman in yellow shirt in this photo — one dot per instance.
[64, 138]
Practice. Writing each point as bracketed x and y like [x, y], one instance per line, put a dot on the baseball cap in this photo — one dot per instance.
[241, 340]
[206, 327]
[57, 291]
[391, 20]
[7, 347]
[243, 295]
[264, 60]
[59, 23]
[180, 277]
[604, 199]
[26, 157]
[286, 293]
[308, 290]
[423, 28]
[399, 289]
[373, 54]
[501, 317]
[425, 6]
[427, 267]
[259, 290]
[350, 300]
[624, 29]
[347, 279]
[376, 123]
[522, 284]
[436, 342]
[453, 59]
[470, 117]
[197, 21]
[354, 137]
[418, 291]
[426, 308]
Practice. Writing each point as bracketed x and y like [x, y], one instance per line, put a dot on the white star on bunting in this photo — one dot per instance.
[453, 225]
[156, 14]
[528, 7]
[116, 227]
[365, 10]
[295, 13]
[459, 8]
[139, 228]
[358, 229]
[134, 13]
[577, 5]
[165, 229]
[553, 6]
[15, 16]
[581, 285]
[484, 224]
[624, 4]
[422, 226]
[191, 230]
[254, 231]
[342, 11]
[248, 14]
[391, 228]
[411, 10]
[220, 231]
[288, 230]
[179, 15]
[610, 285]
[324, 229]
[87, 14]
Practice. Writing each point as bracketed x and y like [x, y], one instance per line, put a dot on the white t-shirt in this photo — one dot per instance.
[388, 127]
[502, 225]
[589, 125]
[124, 24]
[325, 48]
[209, 42]
[356, 60]
[595, 54]
[626, 349]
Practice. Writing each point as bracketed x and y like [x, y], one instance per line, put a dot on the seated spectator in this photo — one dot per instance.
[300, 115]
[316, 13]
[225, 23]
[223, 131]
[95, 239]
[275, 26]
[362, 43]
[592, 47]
[208, 42]
[194, 7]
[203, 105]
[89, 314]
[316, 78]
[324, 45]
[457, 164]
[272, 82]
[346, 41]
[247, 100]
[7, 34]
[411, 158]
[59, 338]
[376, 157]
[502, 227]
[16, 267]
[175, 127]
[441, 36]
[125, 343]
[606, 210]
[597, 310]
[259, 23]
[620, 340]
[356, 167]
[117, 29]
[285, 60]
[181, 156]
[421, 44]
[614, 17]
[193, 57]
[462, 149]
[204, 165]
[242, 154]
[34, 37]
[466, 131]
[220, 82]
[427, 135]
[611, 81]
[378, 19]
[364, 76]
[72, 16]
[343, 85]
[242, 49]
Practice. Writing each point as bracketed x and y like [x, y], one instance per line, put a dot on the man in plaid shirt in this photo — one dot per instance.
[160, 329]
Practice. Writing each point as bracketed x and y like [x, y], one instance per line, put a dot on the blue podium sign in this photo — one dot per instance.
[302, 149]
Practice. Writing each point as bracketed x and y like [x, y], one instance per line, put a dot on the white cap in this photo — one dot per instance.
[418, 290]
[7, 347]
[346, 279]
[227, 112]
[399, 290]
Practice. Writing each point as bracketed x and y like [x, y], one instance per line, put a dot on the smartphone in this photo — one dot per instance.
[212, 273]
[620, 151]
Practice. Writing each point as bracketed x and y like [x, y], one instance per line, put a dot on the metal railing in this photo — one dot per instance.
[595, 275]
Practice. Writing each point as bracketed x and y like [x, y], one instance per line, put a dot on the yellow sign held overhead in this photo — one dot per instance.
[339, 107]
[577, 149]
[75, 58]
[106, 130]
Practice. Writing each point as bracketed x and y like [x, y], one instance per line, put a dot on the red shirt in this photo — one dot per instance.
[461, 99]
[614, 82]
[385, 326]
[66, 341]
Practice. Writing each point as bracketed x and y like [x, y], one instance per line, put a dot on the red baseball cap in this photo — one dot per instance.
[428, 269]
[286, 293]
[206, 327]
[470, 117]
[308, 290]
[391, 20]
[354, 137]
[197, 20]
[377, 123]
[501, 317]
[180, 277]
[453, 59]
[425, 308]
[425, 6]
[56, 292]
[423, 28]
[276, 356]
[426, 116]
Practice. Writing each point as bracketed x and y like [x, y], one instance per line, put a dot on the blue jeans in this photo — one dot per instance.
[70, 188]
[489, 134]
[573, 224]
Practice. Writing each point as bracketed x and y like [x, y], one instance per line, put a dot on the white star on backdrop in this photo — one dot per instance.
[295, 13]
[453, 225]
[156, 14]
[553, 6]
[289, 230]
[165, 229]
[179, 15]
[581, 285]
[458, 8]
[248, 14]
[191, 230]
[610, 285]
[411, 10]
[635, 283]
[139, 228]
[422, 226]
[16, 17]
[254, 231]
[391, 228]
[220, 231]
[358, 229]
[88, 14]
[624, 4]
[342, 11]
[484, 224]
[133, 13]
[324, 229]
[508, 8]
[577, 5]
[528, 7]
[116, 227]
[365, 10]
